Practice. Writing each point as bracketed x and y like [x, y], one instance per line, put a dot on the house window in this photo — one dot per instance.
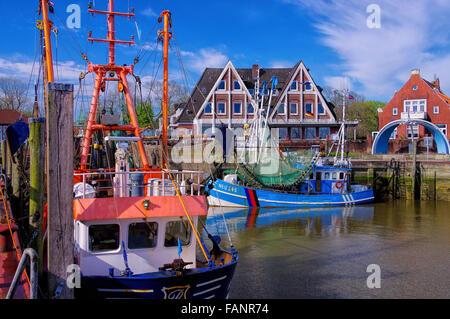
[221, 85]
[394, 111]
[296, 133]
[321, 109]
[324, 132]
[310, 133]
[415, 130]
[436, 109]
[236, 85]
[415, 106]
[142, 235]
[281, 108]
[293, 108]
[308, 108]
[250, 108]
[179, 229]
[294, 86]
[221, 108]
[104, 237]
[393, 134]
[251, 91]
[414, 87]
[208, 108]
[308, 86]
[443, 128]
[237, 108]
[282, 133]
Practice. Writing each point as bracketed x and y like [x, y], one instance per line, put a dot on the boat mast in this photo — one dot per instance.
[111, 72]
[48, 44]
[166, 36]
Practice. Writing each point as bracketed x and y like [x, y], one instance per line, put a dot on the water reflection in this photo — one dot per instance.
[315, 221]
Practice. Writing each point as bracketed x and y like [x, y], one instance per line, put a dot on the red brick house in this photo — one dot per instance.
[225, 97]
[418, 99]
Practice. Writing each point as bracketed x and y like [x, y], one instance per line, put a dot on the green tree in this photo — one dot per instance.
[367, 115]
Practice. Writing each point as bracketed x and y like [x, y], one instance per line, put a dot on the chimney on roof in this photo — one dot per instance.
[255, 71]
[436, 84]
[415, 71]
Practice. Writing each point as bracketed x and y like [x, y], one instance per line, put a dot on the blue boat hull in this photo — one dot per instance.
[198, 283]
[226, 194]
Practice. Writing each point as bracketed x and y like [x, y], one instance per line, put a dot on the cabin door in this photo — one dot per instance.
[318, 182]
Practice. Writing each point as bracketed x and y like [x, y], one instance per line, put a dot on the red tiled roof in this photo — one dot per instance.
[10, 116]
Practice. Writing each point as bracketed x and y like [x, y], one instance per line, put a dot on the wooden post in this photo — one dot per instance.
[36, 142]
[59, 169]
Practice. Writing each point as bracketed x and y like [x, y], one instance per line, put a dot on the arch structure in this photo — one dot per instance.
[380, 144]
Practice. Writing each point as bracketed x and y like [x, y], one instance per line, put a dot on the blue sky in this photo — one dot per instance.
[331, 37]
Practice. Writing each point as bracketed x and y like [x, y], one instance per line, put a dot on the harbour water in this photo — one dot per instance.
[325, 252]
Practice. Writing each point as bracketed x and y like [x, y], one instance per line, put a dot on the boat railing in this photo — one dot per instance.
[124, 183]
[30, 257]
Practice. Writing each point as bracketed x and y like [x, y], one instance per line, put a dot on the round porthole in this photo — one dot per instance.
[415, 87]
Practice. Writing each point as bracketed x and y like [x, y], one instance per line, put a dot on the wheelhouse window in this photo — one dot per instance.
[104, 237]
[221, 108]
[296, 133]
[341, 175]
[221, 85]
[236, 85]
[237, 108]
[177, 229]
[142, 235]
[327, 176]
[208, 108]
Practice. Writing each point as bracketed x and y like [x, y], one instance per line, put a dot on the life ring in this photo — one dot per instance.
[339, 184]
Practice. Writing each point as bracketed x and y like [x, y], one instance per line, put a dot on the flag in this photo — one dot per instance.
[350, 97]
[309, 114]
[180, 250]
[16, 135]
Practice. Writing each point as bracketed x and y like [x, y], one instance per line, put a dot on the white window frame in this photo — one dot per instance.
[225, 108]
[234, 83]
[296, 86]
[436, 109]
[411, 103]
[240, 108]
[296, 108]
[224, 86]
[323, 108]
[394, 111]
[310, 86]
[284, 109]
[204, 112]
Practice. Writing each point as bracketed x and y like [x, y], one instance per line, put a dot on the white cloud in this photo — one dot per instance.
[149, 13]
[338, 82]
[413, 34]
[281, 64]
[206, 58]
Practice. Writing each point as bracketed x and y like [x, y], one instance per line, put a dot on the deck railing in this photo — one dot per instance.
[156, 183]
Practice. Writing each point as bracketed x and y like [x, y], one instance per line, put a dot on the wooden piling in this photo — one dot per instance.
[37, 187]
[59, 125]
